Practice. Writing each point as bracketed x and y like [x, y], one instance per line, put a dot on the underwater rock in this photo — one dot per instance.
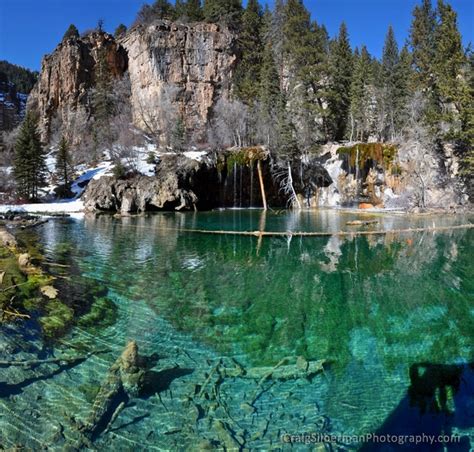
[7, 239]
[124, 378]
[49, 291]
[24, 260]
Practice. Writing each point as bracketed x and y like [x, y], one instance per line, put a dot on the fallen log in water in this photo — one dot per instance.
[361, 222]
[281, 371]
[60, 361]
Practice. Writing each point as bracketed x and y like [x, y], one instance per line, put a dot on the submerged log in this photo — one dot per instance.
[64, 360]
[124, 378]
[361, 222]
[281, 371]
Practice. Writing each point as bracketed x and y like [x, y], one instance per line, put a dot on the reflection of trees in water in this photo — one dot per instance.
[285, 301]
[409, 291]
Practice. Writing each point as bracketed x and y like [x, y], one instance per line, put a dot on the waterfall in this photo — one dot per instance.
[251, 183]
[240, 186]
[235, 183]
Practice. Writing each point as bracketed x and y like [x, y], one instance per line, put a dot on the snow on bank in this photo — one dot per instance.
[45, 208]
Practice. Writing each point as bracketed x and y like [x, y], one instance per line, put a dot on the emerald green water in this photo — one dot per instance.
[392, 314]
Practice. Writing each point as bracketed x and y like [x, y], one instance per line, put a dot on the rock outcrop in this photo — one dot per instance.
[68, 74]
[169, 189]
[195, 59]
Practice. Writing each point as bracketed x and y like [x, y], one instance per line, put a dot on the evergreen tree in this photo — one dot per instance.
[189, 10]
[29, 162]
[422, 40]
[449, 58]
[269, 87]
[163, 9]
[340, 78]
[251, 48]
[159, 10]
[178, 136]
[71, 32]
[120, 31]
[63, 162]
[362, 81]
[276, 35]
[304, 48]
[286, 143]
[225, 11]
[390, 62]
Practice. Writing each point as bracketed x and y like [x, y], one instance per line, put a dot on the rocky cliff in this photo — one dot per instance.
[196, 60]
[68, 74]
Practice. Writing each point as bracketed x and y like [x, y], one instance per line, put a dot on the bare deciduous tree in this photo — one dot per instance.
[417, 152]
[230, 126]
[158, 115]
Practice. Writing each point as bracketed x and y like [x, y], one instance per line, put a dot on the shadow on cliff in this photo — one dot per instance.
[439, 400]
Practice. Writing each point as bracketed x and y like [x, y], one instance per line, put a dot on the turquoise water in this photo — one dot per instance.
[392, 314]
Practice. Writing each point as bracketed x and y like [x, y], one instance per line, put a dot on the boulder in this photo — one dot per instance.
[24, 260]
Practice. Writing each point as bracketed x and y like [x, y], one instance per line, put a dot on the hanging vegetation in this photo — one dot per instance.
[381, 153]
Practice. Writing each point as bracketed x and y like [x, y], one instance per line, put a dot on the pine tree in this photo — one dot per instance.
[390, 62]
[163, 9]
[340, 78]
[269, 87]
[405, 86]
[189, 10]
[71, 33]
[225, 11]
[362, 81]
[304, 49]
[422, 40]
[120, 31]
[251, 48]
[29, 162]
[178, 136]
[449, 58]
[63, 162]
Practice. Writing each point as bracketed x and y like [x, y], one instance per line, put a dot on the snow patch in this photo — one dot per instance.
[52, 207]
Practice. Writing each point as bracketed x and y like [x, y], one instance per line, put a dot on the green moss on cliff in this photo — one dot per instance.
[382, 153]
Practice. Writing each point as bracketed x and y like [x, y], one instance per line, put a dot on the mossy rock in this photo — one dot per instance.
[59, 317]
[103, 312]
[245, 156]
[90, 391]
[12, 276]
[382, 153]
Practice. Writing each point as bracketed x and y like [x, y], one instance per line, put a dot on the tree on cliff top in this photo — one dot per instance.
[189, 10]
[71, 32]
[159, 10]
[226, 11]
[29, 163]
[120, 31]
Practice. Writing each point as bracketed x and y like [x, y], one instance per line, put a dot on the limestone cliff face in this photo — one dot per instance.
[193, 61]
[196, 60]
[68, 73]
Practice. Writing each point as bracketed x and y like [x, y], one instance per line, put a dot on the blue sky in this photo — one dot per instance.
[31, 28]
